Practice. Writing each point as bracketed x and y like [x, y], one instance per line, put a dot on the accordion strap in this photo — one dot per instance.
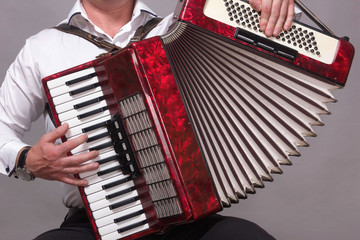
[140, 34]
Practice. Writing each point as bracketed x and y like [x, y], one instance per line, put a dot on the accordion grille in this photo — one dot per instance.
[248, 111]
[150, 157]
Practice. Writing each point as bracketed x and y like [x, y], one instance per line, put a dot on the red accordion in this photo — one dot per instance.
[190, 122]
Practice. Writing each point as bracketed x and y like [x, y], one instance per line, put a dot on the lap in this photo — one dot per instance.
[211, 228]
[77, 226]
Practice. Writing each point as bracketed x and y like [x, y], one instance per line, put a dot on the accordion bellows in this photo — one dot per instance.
[249, 112]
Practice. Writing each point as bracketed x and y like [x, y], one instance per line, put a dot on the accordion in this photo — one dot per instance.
[190, 122]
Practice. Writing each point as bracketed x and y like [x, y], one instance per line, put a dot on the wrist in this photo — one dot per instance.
[21, 171]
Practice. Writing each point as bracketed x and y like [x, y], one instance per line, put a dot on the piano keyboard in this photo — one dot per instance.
[112, 194]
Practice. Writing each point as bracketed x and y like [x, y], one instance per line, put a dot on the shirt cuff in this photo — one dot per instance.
[9, 153]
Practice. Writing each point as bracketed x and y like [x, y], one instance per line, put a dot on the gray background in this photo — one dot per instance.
[317, 198]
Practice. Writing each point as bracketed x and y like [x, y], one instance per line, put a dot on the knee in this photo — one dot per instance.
[237, 228]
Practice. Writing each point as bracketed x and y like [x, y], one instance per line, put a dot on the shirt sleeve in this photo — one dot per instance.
[21, 103]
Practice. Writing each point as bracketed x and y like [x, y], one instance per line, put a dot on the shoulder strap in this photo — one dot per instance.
[142, 31]
[140, 34]
[98, 41]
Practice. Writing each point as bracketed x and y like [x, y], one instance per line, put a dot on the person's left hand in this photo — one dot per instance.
[275, 15]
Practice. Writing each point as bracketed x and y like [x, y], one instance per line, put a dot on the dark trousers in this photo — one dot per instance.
[214, 227]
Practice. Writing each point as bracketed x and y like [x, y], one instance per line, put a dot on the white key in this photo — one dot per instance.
[67, 106]
[116, 235]
[107, 211]
[98, 179]
[110, 219]
[102, 166]
[67, 97]
[98, 186]
[101, 195]
[74, 131]
[86, 146]
[97, 131]
[106, 203]
[114, 227]
[76, 112]
[90, 134]
[63, 89]
[63, 79]
[76, 122]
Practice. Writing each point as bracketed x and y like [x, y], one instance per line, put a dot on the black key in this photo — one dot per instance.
[135, 225]
[88, 114]
[102, 146]
[123, 203]
[108, 159]
[80, 79]
[87, 103]
[120, 193]
[122, 159]
[118, 182]
[134, 214]
[95, 126]
[84, 89]
[102, 135]
[109, 170]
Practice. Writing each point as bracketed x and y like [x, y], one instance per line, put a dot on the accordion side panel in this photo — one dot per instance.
[118, 72]
[129, 85]
[249, 111]
[199, 189]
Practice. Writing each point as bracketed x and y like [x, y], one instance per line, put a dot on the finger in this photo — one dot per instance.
[265, 14]
[274, 16]
[79, 159]
[56, 133]
[72, 143]
[81, 168]
[280, 21]
[73, 181]
[290, 15]
[255, 4]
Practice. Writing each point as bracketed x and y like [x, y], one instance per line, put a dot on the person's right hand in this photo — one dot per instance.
[49, 161]
[275, 15]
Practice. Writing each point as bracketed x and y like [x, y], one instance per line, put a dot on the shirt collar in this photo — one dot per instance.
[139, 8]
[78, 17]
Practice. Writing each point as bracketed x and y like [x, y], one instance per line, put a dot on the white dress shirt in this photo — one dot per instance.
[22, 98]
